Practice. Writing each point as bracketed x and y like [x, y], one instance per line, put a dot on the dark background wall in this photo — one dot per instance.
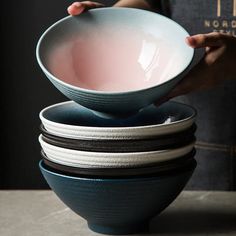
[24, 88]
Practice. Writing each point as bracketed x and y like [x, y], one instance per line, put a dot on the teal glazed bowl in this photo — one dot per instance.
[70, 120]
[115, 61]
[118, 206]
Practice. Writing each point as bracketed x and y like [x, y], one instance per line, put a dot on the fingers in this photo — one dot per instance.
[213, 39]
[209, 72]
[77, 8]
[212, 56]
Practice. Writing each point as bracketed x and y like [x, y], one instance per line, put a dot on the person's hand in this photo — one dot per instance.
[77, 8]
[218, 64]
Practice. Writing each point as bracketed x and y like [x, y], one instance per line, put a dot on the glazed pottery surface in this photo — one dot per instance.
[117, 206]
[131, 145]
[87, 159]
[71, 120]
[149, 170]
[115, 61]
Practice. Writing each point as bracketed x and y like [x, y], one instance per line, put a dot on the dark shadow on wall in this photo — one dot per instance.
[24, 89]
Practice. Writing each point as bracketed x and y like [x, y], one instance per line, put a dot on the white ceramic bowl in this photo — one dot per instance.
[86, 159]
[115, 60]
[70, 120]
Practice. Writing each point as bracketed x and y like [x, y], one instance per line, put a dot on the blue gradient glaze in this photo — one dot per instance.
[115, 104]
[117, 206]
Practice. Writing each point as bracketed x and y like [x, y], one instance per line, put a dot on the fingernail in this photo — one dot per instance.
[77, 4]
[75, 9]
[69, 9]
[191, 41]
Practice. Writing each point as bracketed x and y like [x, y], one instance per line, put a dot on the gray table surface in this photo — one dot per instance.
[39, 213]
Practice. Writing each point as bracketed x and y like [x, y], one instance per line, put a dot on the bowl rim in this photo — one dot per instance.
[69, 151]
[99, 92]
[114, 173]
[122, 145]
[135, 179]
[99, 159]
[125, 128]
[145, 169]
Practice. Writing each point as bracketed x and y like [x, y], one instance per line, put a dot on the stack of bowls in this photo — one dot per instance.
[117, 173]
[109, 155]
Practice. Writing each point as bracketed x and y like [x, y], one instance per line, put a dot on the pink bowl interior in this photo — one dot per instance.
[114, 60]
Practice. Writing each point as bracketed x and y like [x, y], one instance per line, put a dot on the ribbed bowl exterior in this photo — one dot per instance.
[70, 120]
[144, 23]
[117, 104]
[160, 143]
[117, 206]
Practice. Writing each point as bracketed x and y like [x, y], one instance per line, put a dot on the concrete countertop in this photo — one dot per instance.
[39, 213]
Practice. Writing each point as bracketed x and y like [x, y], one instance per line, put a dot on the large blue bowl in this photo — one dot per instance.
[149, 25]
[118, 206]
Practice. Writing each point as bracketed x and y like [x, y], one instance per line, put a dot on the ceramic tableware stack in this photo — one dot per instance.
[108, 170]
[77, 141]
[109, 155]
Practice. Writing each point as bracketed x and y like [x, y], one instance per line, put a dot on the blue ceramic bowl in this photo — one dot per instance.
[115, 61]
[70, 120]
[118, 206]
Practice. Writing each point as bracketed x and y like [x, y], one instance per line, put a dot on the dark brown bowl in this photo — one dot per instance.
[161, 167]
[169, 141]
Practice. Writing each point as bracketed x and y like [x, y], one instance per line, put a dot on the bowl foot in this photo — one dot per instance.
[119, 229]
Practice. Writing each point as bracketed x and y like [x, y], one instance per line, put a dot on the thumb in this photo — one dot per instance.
[77, 8]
